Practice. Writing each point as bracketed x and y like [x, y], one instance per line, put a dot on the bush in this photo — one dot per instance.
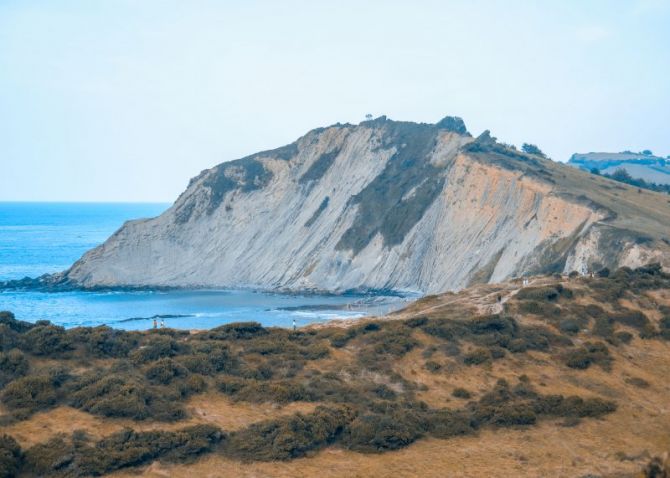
[378, 433]
[569, 326]
[192, 385]
[590, 353]
[47, 340]
[477, 357]
[155, 347]
[449, 423]
[125, 397]
[235, 331]
[540, 294]
[104, 342]
[433, 366]
[623, 337]
[288, 437]
[32, 393]
[11, 457]
[637, 382]
[461, 393]
[543, 309]
[393, 341]
[13, 364]
[657, 467]
[7, 319]
[573, 406]
[128, 448]
[48, 458]
[603, 327]
[632, 318]
[532, 149]
[125, 448]
[164, 371]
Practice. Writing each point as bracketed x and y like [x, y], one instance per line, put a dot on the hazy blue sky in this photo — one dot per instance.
[127, 100]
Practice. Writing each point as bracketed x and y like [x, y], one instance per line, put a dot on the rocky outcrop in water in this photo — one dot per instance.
[382, 205]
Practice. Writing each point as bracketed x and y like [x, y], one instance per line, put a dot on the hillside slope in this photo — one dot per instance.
[383, 205]
[564, 377]
[651, 168]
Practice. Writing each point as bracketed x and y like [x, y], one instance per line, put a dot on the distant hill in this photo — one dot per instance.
[653, 169]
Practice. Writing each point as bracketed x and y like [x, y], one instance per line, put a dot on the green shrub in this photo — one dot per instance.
[342, 338]
[155, 347]
[569, 326]
[603, 327]
[637, 382]
[13, 364]
[165, 370]
[235, 331]
[477, 357]
[433, 366]
[288, 437]
[590, 353]
[32, 393]
[49, 458]
[449, 423]
[72, 457]
[7, 319]
[573, 406]
[47, 340]
[378, 433]
[649, 332]
[11, 457]
[191, 385]
[543, 309]
[128, 448]
[104, 342]
[623, 337]
[460, 392]
[393, 341]
[541, 294]
[631, 318]
[125, 397]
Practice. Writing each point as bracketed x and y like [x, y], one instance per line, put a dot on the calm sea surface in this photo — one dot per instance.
[39, 238]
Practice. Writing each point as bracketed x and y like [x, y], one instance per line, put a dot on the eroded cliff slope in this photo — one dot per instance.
[383, 205]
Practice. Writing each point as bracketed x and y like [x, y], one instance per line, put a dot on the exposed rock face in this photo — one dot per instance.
[381, 205]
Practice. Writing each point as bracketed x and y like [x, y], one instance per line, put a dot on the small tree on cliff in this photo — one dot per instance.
[532, 149]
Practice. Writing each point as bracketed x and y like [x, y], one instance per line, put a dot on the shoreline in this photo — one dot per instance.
[52, 283]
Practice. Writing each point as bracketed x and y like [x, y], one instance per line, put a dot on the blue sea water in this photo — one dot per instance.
[39, 238]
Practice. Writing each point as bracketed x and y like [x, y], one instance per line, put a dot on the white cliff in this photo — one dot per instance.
[381, 205]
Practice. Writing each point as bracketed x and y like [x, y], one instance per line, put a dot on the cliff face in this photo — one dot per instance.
[382, 205]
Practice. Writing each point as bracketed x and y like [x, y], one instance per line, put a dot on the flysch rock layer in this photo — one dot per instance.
[379, 205]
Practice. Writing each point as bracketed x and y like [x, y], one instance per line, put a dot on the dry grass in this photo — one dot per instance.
[211, 408]
[617, 445]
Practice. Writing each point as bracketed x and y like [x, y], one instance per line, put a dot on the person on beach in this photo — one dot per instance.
[294, 326]
[155, 324]
[162, 323]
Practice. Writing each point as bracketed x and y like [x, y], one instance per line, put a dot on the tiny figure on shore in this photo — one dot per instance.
[155, 324]
[162, 323]
[294, 326]
[499, 298]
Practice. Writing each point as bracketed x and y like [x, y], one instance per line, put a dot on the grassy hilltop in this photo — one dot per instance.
[564, 377]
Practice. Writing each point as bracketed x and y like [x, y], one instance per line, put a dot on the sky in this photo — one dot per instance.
[126, 100]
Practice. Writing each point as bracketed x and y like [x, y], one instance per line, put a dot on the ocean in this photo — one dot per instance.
[39, 238]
